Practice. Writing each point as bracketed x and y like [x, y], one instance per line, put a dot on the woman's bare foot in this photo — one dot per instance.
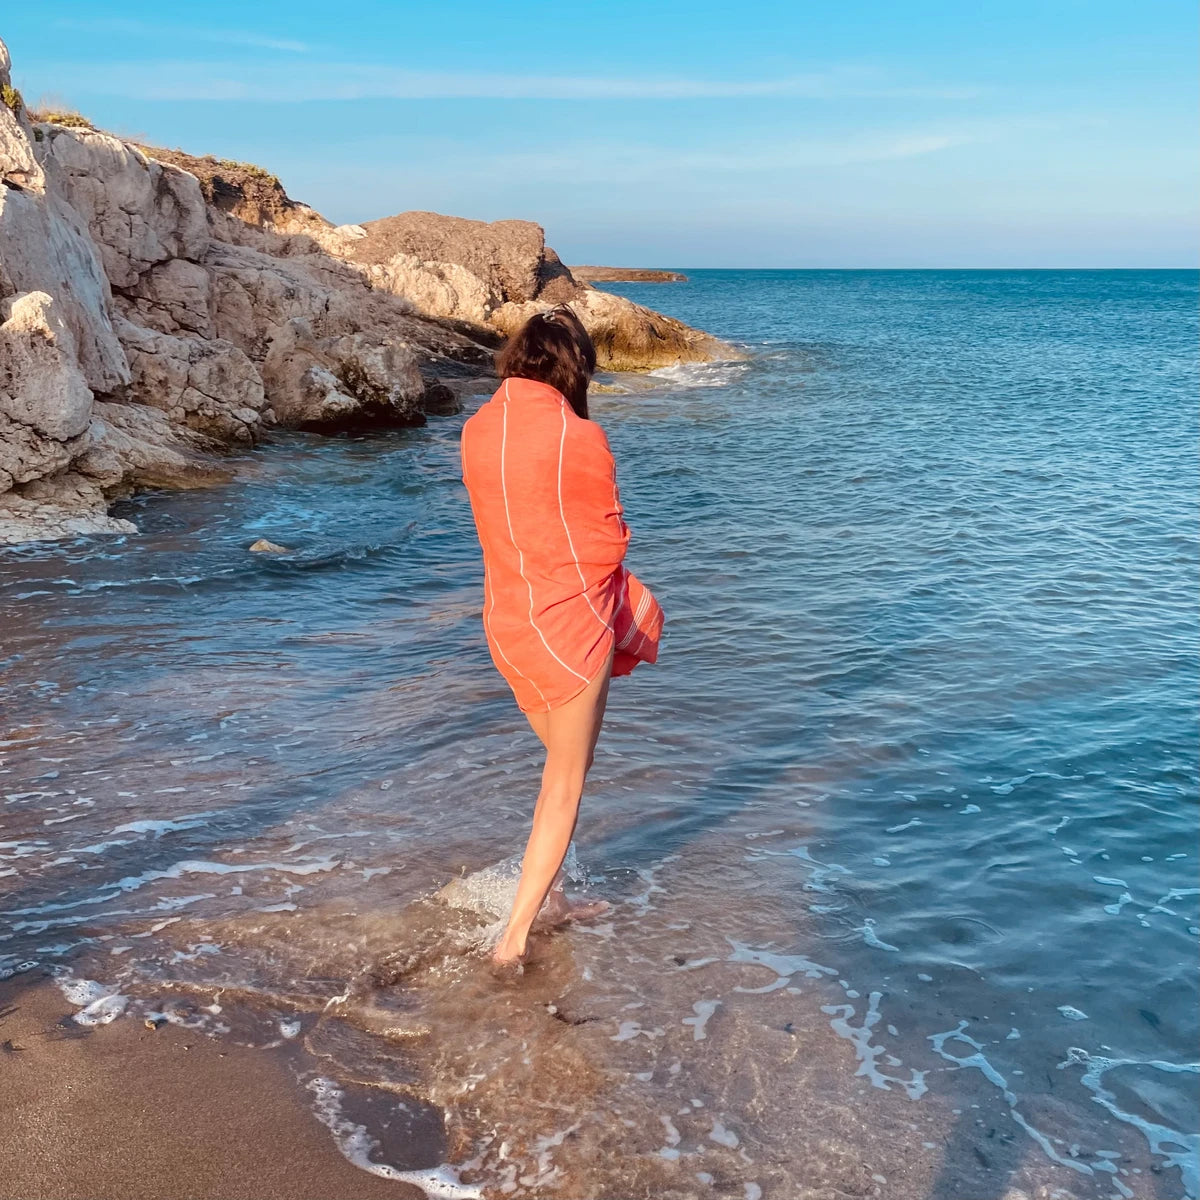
[558, 910]
[508, 956]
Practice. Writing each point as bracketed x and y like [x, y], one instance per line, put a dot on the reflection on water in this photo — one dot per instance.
[898, 834]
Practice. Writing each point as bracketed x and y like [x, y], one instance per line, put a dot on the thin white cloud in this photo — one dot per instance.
[915, 146]
[770, 157]
[226, 37]
[598, 161]
[281, 82]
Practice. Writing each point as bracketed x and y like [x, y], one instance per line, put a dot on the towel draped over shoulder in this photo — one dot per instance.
[557, 596]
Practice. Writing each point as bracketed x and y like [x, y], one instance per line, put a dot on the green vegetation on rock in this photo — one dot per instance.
[252, 169]
[72, 120]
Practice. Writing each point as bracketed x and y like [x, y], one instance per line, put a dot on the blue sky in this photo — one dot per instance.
[815, 133]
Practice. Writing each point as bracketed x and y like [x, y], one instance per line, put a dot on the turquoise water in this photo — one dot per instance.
[916, 774]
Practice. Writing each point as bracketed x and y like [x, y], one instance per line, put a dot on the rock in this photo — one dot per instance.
[316, 382]
[44, 247]
[439, 289]
[262, 546]
[507, 257]
[501, 274]
[254, 295]
[139, 211]
[244, 191]
[24, 520]
[41, 385]
[125, 446]
[71, 492]
[208, 385]
[45, 404]
[25, 455]
[173, 296]
[132, 446]
[627, 336]
[626, 275]
[156, 306]
[18, 166]
[440, 400]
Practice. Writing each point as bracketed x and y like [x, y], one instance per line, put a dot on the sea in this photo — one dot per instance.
[899, 835]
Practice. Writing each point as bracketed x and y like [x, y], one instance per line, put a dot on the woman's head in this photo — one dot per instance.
[552, 347]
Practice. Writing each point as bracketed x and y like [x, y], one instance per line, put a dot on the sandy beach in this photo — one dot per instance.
[123, 1112]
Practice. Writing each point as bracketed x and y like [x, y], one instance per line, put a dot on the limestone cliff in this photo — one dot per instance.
[156, 307]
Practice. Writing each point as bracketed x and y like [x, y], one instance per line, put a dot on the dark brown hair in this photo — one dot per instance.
[552, 347]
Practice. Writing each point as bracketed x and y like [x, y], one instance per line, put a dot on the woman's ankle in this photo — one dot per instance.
[509, 948]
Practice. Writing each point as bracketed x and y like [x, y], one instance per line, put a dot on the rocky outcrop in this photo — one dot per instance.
[627, 275]
[444, 289]
[508, 258]
[151, 316]
[124, 447]
[500, 274]
[157, 307]
[62, 453]
[628, 337]
[131, 446]
[45, 247]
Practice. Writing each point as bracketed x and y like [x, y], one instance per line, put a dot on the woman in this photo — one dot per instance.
[561, 613]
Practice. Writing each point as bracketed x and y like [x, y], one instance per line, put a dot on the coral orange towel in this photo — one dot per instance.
[557, 598]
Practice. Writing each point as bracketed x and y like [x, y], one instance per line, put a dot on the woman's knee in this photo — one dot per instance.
[560, 796]
[563, 776]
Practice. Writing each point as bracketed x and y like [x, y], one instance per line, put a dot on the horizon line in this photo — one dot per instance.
[640, 267]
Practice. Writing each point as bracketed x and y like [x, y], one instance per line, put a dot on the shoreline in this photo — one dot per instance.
[197, 1121]
[209, 1116]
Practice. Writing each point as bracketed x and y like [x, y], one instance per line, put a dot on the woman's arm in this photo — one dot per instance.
[590, 500]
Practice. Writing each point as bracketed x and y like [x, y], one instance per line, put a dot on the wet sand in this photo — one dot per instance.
[123, 1112]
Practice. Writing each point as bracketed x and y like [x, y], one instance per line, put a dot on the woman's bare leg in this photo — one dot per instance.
[556, 908]
[539, 722]
[569, 734]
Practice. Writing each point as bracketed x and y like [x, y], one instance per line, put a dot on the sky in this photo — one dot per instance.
[811, 133]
